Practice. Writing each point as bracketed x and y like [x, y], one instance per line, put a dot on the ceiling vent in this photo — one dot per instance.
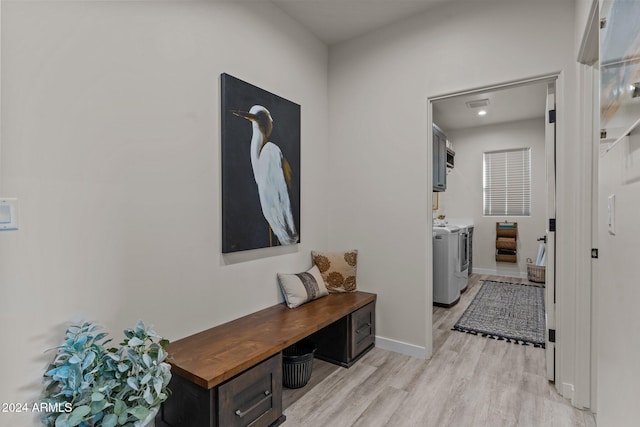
[478, 103]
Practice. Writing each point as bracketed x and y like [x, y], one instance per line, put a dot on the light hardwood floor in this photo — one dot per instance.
[469, 381]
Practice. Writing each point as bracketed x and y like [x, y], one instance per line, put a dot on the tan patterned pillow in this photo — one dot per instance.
[338, 269]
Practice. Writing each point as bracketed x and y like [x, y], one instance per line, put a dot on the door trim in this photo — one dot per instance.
[551, 211]
[569, 359]
[554, 77]
[506, 85]
[586, 199]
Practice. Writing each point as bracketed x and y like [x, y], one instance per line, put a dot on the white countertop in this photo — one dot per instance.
[460, 222]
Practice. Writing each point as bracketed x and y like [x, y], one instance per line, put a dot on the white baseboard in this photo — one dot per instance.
[519, 275]
[401, 347]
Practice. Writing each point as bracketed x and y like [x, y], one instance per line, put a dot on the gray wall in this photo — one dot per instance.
[378, 90]
[110, 141]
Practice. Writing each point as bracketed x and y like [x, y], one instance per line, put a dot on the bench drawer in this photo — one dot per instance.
[347, 339]
[363, 333]
[253, 398]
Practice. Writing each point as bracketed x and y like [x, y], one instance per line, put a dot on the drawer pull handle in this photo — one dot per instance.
[267, 395]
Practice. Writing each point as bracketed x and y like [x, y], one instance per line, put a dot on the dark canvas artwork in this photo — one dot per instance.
[260, 167]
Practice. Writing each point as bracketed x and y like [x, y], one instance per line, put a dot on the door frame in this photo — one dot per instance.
[586, 196]
[551, 211]
[586, 267]
[576, 365]
[556, 78]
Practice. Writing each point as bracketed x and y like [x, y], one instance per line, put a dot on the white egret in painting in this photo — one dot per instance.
[272, 174]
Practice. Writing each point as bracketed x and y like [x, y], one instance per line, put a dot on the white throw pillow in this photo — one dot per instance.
[302, 287]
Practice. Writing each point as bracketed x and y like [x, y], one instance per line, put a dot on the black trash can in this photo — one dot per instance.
[297, 362]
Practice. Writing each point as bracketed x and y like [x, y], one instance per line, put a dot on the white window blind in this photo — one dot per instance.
[507, 182]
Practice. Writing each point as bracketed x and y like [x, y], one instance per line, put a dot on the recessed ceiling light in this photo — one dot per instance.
[482, 112]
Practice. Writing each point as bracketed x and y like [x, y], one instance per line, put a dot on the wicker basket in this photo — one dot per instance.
[535, 273]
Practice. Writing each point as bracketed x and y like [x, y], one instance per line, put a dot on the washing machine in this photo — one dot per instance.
[446, 255]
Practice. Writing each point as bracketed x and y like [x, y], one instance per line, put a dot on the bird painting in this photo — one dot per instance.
[260, 165]
[272, 174]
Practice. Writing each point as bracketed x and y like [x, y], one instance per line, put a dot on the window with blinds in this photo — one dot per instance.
[507, 182]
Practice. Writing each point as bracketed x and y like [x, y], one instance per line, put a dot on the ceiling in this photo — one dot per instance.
[505, 105]
[334, 21]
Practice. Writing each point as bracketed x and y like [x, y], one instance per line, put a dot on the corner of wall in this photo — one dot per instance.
[402, 347]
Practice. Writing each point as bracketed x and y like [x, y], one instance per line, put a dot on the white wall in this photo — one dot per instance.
[463, 198]
[618, 294]
[380, 171]
[110, 141]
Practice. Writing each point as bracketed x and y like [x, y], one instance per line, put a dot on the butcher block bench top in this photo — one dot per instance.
[211, 357]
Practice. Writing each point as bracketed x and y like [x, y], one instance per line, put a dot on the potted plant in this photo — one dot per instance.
[90, 384]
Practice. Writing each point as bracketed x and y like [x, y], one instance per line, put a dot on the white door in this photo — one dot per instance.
[550, 286]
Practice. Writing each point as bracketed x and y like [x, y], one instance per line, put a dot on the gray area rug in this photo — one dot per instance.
[506, 311]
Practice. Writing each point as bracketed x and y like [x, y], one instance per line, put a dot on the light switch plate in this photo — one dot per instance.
[611, 214]
[8, 214]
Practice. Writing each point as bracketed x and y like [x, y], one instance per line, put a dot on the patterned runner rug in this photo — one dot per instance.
[506, 311]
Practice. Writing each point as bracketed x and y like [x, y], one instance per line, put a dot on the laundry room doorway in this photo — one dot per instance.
[480, 136]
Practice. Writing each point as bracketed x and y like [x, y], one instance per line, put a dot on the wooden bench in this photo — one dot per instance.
[231, 375]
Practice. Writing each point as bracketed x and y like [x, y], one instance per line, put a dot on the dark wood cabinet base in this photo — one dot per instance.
[341, 363]
[231, 375]
[279, 421]
[345, 341]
